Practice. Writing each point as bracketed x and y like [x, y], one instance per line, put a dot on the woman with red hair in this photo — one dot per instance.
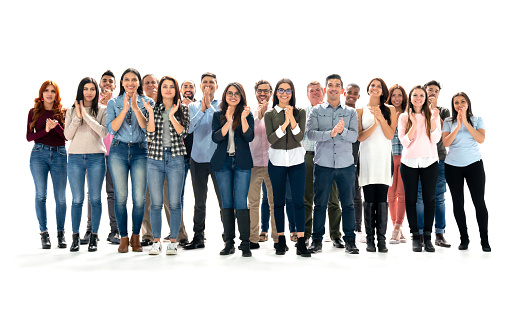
[45, 127]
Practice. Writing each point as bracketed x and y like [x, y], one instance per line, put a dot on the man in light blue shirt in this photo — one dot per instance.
[334, 128]
[201, 113]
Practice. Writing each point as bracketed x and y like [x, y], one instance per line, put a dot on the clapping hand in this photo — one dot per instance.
[376, 112]
[245, 113]
[339, 128]
[79, 113]
[173, 110]
[50, 124]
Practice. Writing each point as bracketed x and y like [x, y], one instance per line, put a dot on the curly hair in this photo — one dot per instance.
[39, 106]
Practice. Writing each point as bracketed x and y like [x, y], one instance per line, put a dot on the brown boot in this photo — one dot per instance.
[123, 247]
[135, 243]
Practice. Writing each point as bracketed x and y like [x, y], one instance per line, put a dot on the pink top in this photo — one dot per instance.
[421, 146]
[107, 142]
[260, 145]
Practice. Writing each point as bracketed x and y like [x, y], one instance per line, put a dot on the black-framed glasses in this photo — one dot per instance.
[236, 94]
[263, 91]
[282, 91]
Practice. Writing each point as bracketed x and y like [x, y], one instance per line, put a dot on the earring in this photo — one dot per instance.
[42, 99]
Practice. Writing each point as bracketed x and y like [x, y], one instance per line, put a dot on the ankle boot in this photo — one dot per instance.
[301, 248]
[229, 248]
[369, 216]
[245, 249]
[62, 244]
[464, 242]
[281, 245]
[416, 242]
[92, 244]
[428, 245]
[135, 243]
[45, 240]
[381, 225]
[75, 243]
[123, 246]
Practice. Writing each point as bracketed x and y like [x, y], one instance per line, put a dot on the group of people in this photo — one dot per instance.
[305, 161]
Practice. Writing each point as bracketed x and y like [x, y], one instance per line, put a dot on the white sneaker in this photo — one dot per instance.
[156, 248]
[172, 248]
[360, 237]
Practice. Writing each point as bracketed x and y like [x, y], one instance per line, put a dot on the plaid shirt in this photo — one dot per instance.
[306, 143]
[155, 138]
[397, 147]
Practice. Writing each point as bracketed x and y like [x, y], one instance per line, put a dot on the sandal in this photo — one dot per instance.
[263, 237]
[293, 237]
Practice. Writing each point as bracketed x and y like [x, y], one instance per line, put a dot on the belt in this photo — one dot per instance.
[310, 153]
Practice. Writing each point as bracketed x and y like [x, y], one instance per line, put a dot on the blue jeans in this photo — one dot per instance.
[128, 158]
[265, 209]
[174, 169]
[45, 159]
[440, 207]
[78, 166]
[322, 185]
[279, 176]
[187, 162]
[233, 184]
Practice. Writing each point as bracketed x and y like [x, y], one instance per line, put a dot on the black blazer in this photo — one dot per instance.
[241, 142]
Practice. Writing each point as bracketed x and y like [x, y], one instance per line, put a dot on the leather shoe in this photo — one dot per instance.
[350, 246]
[440, 241]
[86, 238]
[45, 240]
[136, 245]
[145, 242]
[228, 249]
[62, 244]
[123, 246]
[182, 242]
[113, 237]
[316, 246]
[196, 243]
[338, 243]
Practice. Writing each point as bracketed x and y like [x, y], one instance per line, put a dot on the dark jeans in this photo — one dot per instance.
[476, 180]
[279, 175]
[110, 198]
[440, 207]
[233, 184]
[322, 184]
[265, 209]
[199, 177]
[410, 177]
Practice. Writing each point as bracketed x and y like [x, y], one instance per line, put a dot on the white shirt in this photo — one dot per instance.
[286, 158]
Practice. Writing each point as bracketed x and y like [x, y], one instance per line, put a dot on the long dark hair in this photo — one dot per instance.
[159, 99]
[140, 90]
[385, 111]
[403, 92]
[292, 87]
[454, 113]
[239, 108]
[80, 94]
[425, 111]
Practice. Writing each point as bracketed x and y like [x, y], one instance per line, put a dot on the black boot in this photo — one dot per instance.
[243, 225]
[281, 245]
[464, 242]
[75, 243]
[428, 245]
[92, 244]
[45, 240]
[229, 230]
[301, 247]
[381, 225]
[416, 242]
[62, 244]
[229, 248]
[369, 216]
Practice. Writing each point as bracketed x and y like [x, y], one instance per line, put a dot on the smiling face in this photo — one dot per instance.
[433, 91]
[168, 90]
[333, 90]
[188, 90]
[89, 93]
[418, 97]
[460, 103]
[49, 94]
[315, 94]
[210, 82]
[397, 98]
[130, 83]
[375, 89]
[150, 86]
[263, 92]
[351, 96]
[108, 83]
[233, 97]
[284, 98]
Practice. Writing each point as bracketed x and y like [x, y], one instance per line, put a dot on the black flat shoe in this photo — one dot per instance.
[75, 243]
[114, 237]
[350, 247]
[228, 249]
[197, 243]
[45, 240]
[338, 243]
[146, 242]
[486, 248]
[316, 246]
[62, 244]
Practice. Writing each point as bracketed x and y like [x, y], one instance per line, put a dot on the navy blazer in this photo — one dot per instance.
[241, 142]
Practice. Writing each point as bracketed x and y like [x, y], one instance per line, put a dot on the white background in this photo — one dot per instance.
[466, 45]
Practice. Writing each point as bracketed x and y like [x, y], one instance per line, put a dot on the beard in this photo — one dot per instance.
[190, 96]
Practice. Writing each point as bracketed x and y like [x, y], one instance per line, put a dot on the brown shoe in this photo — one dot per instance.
[440, 241]
[135, 243]
[123, 247]
[263, 237]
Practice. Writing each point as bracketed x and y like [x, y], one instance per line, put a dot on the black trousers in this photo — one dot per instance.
[200, 176]
[410, 177]
[476, 179]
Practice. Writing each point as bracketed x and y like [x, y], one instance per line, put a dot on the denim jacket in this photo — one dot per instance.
[130, 130]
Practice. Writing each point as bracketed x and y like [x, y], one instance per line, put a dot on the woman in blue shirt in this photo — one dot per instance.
[232, 131]
[126, 121]
[463, 133]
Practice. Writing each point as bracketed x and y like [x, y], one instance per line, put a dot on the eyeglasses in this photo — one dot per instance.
[263, 91]
[236, 94]
[282, 91]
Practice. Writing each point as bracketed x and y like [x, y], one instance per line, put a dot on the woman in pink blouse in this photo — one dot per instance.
[419, 130]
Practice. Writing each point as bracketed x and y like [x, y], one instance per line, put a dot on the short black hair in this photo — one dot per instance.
[209, 74]
[334, 76]
[433, 83]
[108, 73]
[258, 83]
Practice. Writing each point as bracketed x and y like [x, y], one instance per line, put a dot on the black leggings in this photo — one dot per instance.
[375, 193]
[476, 180]
[410, 177]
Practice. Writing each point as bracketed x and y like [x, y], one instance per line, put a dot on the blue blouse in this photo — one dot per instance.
[464, 150]
[130, 130]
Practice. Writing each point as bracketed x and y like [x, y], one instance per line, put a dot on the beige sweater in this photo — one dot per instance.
[86, 134]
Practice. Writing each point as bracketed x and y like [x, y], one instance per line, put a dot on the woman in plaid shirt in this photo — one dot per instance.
[167, 126]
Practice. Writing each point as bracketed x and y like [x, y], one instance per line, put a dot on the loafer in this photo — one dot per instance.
[113, 237]
[440, 241]
[196, 243]
[338, 243]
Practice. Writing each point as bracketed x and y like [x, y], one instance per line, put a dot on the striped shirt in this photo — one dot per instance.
[156, 138]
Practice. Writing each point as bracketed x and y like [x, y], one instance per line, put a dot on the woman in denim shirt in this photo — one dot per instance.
[232, 131]
[45, 127]
[85, 127]
[126, 121]
[168, 123]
